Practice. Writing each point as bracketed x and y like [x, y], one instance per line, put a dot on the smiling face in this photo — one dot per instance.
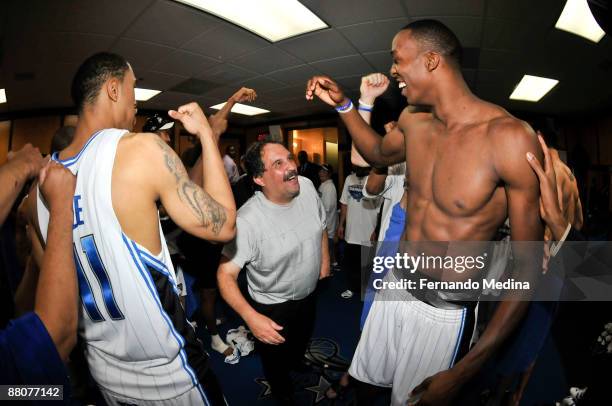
[279, 181]
[409, 68]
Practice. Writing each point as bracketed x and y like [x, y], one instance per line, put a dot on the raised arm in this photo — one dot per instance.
[376, 150]
[218, 124]
[208, 212]
[372, 86]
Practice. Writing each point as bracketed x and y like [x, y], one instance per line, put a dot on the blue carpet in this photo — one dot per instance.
[334, 341]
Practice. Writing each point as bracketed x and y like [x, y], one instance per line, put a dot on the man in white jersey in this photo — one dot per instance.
[139, 346]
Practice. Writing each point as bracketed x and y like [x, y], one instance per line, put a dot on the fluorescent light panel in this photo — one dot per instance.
[242, 109]
[2, 96]
[533, 88]
[577, 18]
[145, 94]
[273, 20]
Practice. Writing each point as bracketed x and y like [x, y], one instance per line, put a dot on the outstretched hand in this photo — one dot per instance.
[372, 86]
[193, 119]
[437, 390]
[325, 89]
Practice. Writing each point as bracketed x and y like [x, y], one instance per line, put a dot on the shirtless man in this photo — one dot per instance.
[139, 345]
[465, 164]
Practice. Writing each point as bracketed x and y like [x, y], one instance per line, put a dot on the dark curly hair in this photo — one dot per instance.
[252, 159]
[92, 74]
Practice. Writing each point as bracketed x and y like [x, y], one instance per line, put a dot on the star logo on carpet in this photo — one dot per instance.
[320, 389]
[266, 390]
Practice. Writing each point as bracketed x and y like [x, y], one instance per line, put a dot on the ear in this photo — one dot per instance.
[259, 181]
[112, 89]
[432, 60]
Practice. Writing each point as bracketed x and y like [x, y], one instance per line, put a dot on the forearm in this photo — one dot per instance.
[215, 181]
[196, 172]
[12, 181]
[56, 296]
[26, 291]
[376, 181]
[228, 286]
[366, 141]
[504, 321]
[342, 220]
[325, 261]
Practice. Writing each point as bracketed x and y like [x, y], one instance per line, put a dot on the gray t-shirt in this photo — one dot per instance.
[280, 245]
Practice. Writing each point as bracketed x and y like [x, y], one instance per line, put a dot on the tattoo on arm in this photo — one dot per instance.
[208, 211]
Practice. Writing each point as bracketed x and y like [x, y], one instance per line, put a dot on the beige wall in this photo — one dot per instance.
[37, 131]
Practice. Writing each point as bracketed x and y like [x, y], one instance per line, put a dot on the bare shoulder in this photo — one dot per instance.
[511, 135]
[414, 115]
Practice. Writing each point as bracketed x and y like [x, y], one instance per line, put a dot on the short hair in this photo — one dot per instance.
[92, 74]
[435, 36]
[62, 138]
[253, 158]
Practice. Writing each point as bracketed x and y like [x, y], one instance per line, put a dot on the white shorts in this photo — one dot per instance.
[194, 396]
[405, 341]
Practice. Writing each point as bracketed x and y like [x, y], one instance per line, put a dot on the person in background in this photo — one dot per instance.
[308, 169]
[329, 197]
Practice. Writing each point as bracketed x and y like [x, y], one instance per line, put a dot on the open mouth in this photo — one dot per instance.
[401, 85]
[291, 176]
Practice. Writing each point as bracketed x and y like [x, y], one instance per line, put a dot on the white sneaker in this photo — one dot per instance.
[347, 294]
[577, 393]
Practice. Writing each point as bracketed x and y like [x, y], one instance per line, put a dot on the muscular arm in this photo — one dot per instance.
[522, 191]
[208, 212]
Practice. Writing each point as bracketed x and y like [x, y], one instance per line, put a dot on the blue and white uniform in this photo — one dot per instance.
[140, 346]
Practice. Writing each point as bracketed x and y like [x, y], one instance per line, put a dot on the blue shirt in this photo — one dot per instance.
[28, 355]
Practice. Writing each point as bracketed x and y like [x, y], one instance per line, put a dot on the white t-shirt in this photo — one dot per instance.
[329, 197]
[361, 213]
[280, 245]
[392, 193]
[231, 169]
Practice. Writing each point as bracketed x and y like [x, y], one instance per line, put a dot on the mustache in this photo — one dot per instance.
[290, 174]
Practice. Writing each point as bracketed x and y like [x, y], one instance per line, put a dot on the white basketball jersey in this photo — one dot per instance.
[139, 343]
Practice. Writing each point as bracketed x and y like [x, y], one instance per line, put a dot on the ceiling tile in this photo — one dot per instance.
[416, 8]
[74, 47]
[296, 75]
[225, 42]
[102, 17]
[159, 24]
[497, 59]
[268, 59]
[285, 93]
[263, 84]
[344, 12]
[158, 80]
[467, 29]
[226, 74]
[380, 60]
[373, 36]
[345, 66]
[318, 46]
[183, 63]
[141, 55]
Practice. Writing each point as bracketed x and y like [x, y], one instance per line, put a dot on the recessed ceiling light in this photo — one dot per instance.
[532, 88]
[242, 109]
[2, 96]
[145, 94]
[577, 18]
[273, 20]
